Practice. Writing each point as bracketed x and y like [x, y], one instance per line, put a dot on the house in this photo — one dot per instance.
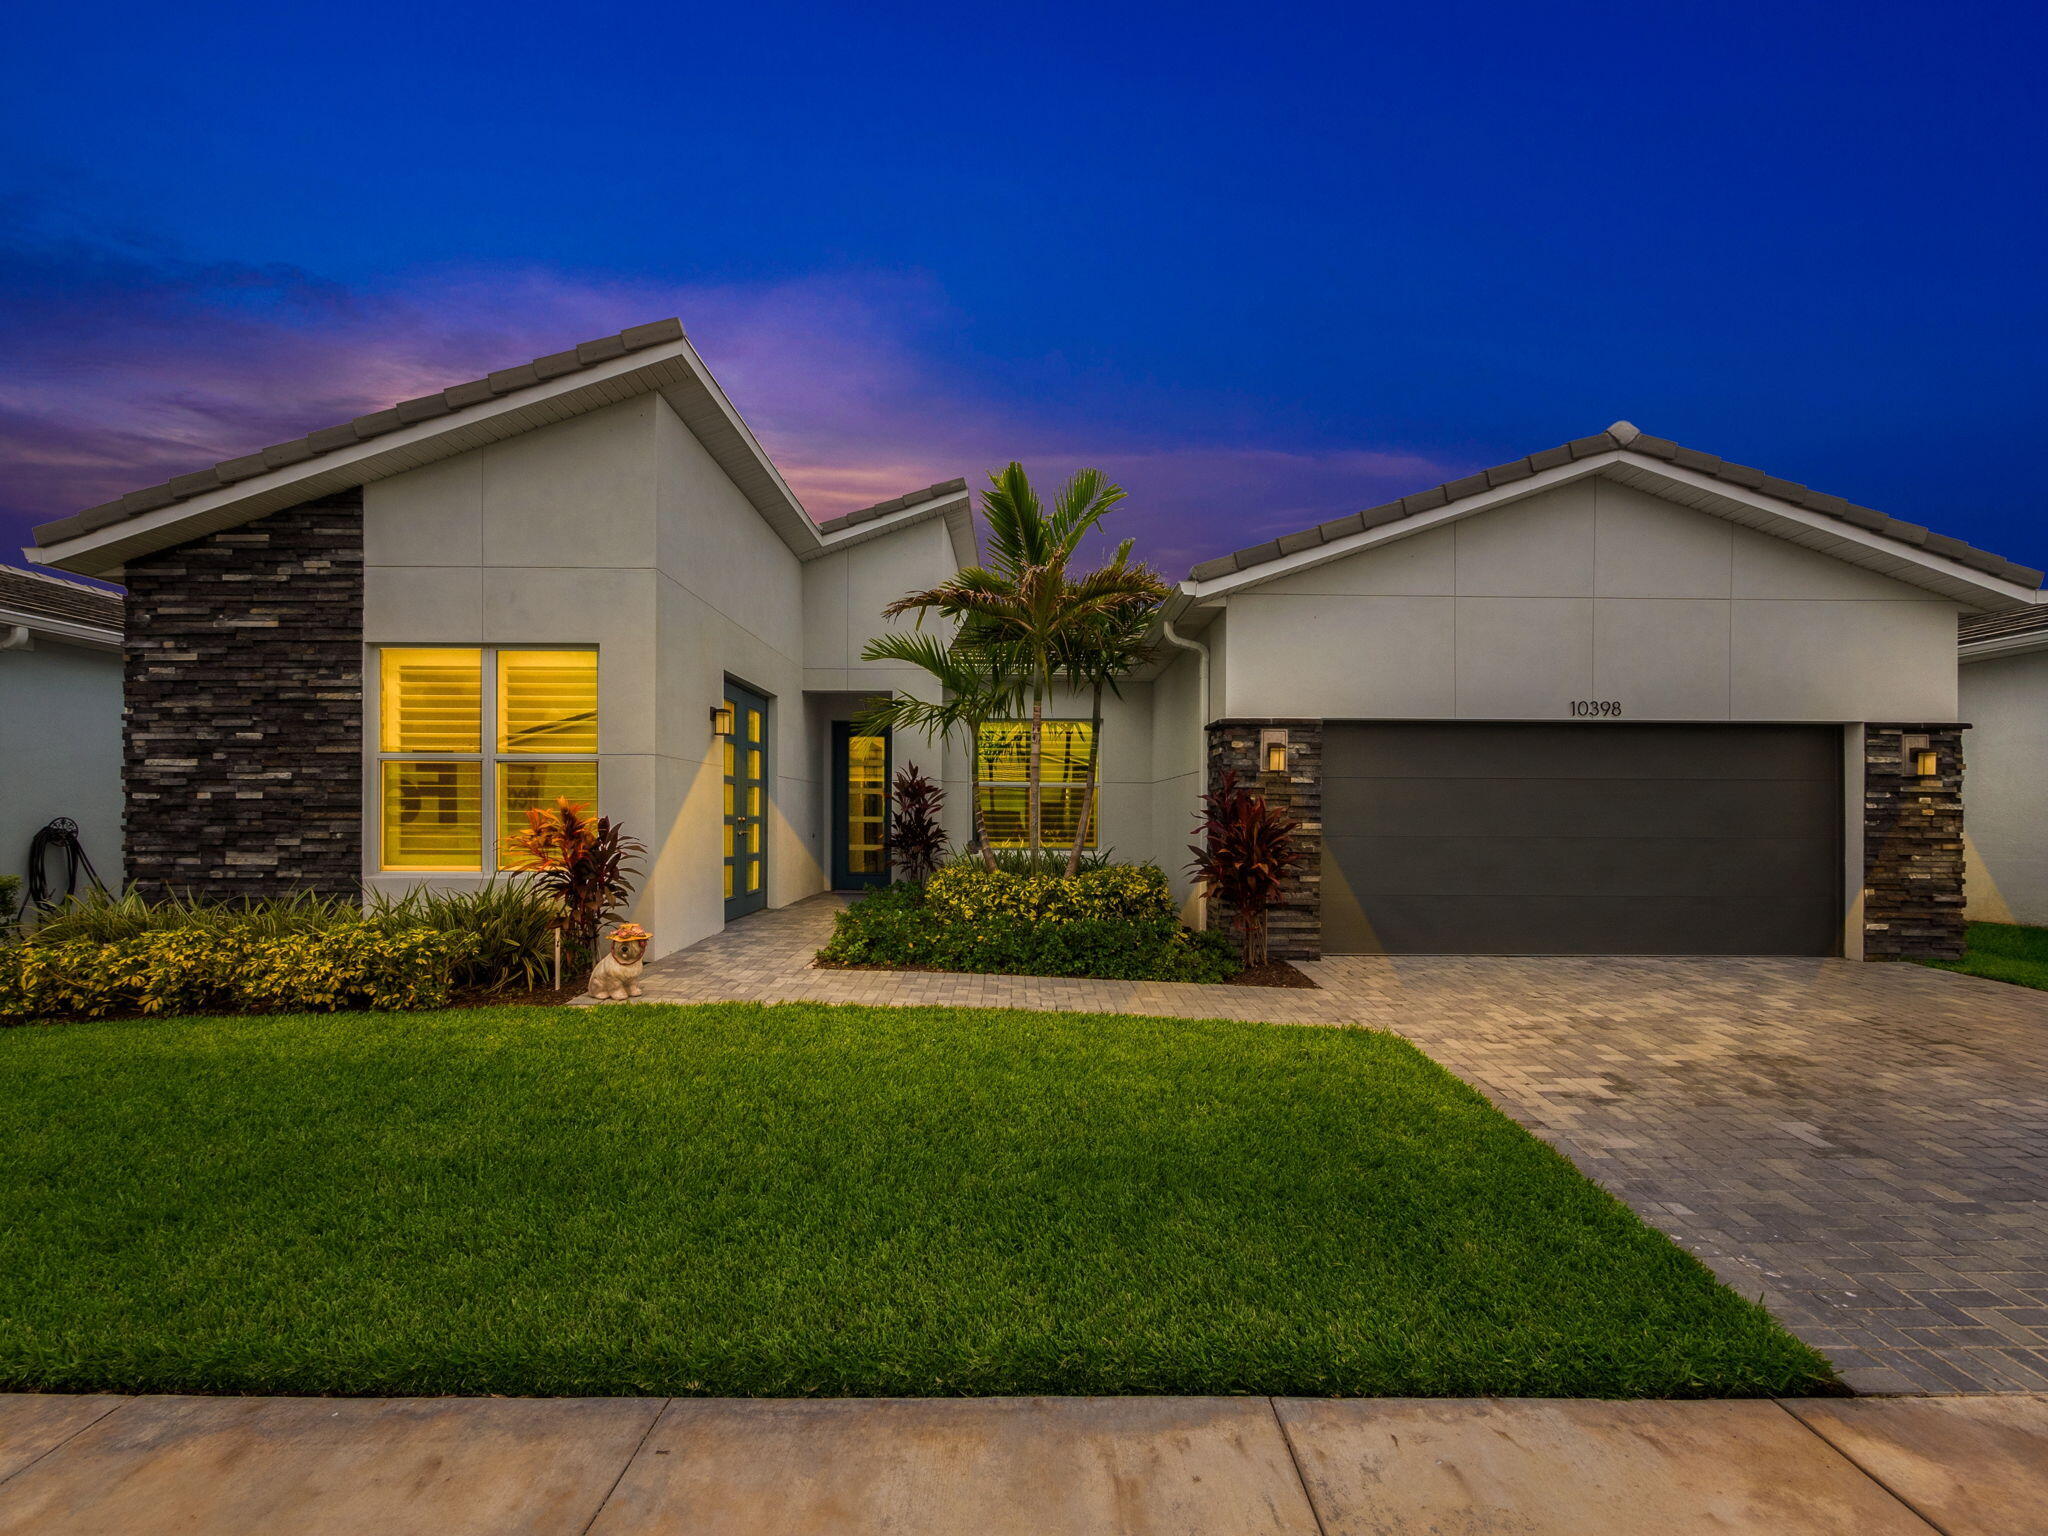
[1616, 697]
[60, 719]
[2004, 694]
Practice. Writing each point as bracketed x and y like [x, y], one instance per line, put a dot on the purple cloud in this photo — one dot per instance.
[129, 365]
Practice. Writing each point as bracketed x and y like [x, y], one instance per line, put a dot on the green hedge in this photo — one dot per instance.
[199, 970]
[1118, 922]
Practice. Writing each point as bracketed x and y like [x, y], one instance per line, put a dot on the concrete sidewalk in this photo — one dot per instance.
[228, 1466]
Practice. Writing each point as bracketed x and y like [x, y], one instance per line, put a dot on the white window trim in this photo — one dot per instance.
[489, 867]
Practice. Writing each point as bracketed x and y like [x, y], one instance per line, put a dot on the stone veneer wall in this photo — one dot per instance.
[244, 722]
[1294, 924]
[1912, 846]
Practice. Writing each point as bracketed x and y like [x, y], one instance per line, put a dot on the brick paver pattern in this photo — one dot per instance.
[1864, 1147]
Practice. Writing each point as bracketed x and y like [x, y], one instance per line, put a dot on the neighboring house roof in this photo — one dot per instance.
[1659, 465]
[586, 377]
[2001, 634]
[64, 610]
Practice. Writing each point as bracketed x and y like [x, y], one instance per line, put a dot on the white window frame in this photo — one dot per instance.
[489, 758]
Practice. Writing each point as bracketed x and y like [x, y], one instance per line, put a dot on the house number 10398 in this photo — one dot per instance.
[1608, 707]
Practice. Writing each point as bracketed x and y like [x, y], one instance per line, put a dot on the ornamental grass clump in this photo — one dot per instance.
[1118, 922]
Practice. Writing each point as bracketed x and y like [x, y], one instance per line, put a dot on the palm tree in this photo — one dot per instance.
[1023, 605]
[1096, 657]
[975, 685]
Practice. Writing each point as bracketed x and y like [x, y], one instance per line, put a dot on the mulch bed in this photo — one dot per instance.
[539, 997]
[1274, 973]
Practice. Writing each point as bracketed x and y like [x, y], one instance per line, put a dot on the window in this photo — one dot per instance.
[1003, 763]
[436, 778]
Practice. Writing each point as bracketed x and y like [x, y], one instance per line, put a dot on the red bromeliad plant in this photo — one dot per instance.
[1249, 851]
[584, 864]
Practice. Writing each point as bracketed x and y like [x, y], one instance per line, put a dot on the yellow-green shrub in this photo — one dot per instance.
[198, 970]
[1118, 921]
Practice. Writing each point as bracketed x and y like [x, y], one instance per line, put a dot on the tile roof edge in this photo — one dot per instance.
[324, 440]
[938, 491]
[1621, 437]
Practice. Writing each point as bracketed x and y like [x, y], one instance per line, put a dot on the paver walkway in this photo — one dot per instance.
[1248, 1466]
[1864, 1147]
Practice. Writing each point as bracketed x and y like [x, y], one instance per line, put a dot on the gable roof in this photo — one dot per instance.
[1998, 634]
[66, 610]
[1656, 463]
[587, 377]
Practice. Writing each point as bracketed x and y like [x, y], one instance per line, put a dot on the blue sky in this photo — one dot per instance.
[1264, 267]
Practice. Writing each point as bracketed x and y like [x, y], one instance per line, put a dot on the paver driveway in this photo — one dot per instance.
[1864, 1147]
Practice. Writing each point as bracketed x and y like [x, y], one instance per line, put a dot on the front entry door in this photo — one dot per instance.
[860, 808]
[746, 803]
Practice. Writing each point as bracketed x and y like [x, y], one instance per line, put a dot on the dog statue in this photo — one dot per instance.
[617, 976]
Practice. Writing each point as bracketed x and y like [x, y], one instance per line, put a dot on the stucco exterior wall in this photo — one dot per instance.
[1590, 591]
[2005, 792]
[844, 593]
[60, 752]
[544, 539]
[618, 529]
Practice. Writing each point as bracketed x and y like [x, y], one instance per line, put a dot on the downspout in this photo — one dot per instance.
[1201, 651]
[15, 639]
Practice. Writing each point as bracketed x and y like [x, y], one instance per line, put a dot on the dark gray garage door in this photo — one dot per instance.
[1594, 839]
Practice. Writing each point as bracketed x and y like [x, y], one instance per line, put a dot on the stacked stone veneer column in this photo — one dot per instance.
[1912, 845]
[1294, 924]
[243, 763]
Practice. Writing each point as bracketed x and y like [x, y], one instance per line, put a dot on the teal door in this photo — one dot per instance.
[860, 809]
[746, 802]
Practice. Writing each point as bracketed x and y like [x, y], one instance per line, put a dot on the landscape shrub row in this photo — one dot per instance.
[205, 969]
[1118, 922]
[508, 926]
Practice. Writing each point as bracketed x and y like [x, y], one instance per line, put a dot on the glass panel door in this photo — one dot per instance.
[860, 808]
[745, 856]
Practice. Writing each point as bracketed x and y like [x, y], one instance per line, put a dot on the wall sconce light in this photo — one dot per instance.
[1920, 752]
[1273, 751]
[721, 719]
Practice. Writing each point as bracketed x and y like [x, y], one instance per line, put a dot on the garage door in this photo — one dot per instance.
[1586, 839]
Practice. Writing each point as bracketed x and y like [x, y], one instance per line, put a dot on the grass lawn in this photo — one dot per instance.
[2004, 952]
[746, 1200]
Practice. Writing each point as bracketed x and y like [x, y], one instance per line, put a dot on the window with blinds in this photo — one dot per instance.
[1003, 765]
[433, 700]
[547, 701]
[445, 802]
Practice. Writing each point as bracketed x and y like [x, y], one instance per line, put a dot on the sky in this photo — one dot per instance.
[1263, 267]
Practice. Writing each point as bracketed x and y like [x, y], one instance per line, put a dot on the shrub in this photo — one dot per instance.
[916, 841]
[10, 899]
[585, 865]
[1117, 922]
[510, 925]
[507, 925]
[1248, 851]
[195, 969]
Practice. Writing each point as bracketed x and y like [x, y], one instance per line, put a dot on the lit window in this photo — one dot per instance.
[436, 778]
[1003, 765]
